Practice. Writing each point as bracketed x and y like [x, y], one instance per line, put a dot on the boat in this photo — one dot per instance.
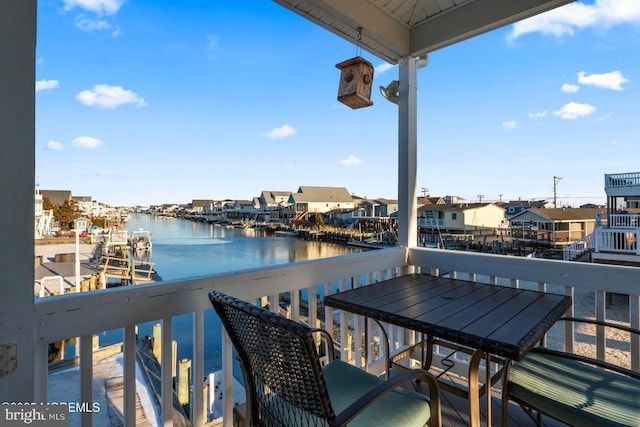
[140, 241]
[371, 243]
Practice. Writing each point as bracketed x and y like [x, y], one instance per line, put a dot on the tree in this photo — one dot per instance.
[66, 213]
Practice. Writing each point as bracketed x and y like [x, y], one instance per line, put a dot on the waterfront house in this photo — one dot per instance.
[43, 217]
[459, 222]
[376, 209]
[553, 227]
[309, 201]
[617, 231]
[273, 200]
[395, 32]
[514, 207]
[199, 205]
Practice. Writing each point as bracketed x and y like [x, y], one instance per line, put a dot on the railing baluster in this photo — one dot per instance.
[601, 343]
[569, 331]
[166, 371]
[357, 328]
[344, 328]
[227, 372]
[86, 378]
[198, 413]
[634, 322]
[129, 375]
[313, 306]
[294, 304]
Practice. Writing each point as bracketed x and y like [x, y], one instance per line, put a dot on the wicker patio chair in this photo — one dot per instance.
[574, 389]
[286, 385]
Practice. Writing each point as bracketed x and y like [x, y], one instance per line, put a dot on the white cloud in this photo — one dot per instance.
[382, 68]
[574, 110]
[564, 21]
[510, 124]
[350, 161]
[86, 142]
[55, 145]
[613, 80]
[87, 24]
[47, 85]
[106, 96]
[569, 88]
[538, 115]
[280, 132]
[100, 7]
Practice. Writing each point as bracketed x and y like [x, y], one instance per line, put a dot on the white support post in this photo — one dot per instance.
[407, 154]
[17, 215]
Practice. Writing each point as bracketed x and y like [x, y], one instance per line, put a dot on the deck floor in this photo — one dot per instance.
[455, 410]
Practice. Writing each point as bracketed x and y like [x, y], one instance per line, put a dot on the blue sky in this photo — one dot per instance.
[146, 102]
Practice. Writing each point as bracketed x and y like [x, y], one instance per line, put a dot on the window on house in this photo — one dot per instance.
[454, 216]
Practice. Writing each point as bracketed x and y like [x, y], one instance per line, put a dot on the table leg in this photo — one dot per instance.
[474, 389]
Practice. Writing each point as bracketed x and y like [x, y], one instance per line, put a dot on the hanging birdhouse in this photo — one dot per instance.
[356, 79]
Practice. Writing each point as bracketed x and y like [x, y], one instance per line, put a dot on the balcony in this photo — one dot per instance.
[622, 184]
[83, 315]
[28, 327]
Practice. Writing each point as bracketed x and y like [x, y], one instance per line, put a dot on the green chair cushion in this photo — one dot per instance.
[399, 407]
[574, 392]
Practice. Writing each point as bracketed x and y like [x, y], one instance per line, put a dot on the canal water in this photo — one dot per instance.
[183, 248]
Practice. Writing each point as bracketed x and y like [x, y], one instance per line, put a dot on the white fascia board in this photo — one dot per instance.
[473, 18]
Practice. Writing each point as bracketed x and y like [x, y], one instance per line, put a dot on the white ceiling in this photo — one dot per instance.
[392, 29]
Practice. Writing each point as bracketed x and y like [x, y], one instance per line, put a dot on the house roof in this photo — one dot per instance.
[431, 200]
[201, 203]
[392, 29]
[456, 207]
[560, 214]
[322, 194]
[523, 203]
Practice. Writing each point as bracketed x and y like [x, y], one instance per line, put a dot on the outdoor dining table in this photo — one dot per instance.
[488, 321]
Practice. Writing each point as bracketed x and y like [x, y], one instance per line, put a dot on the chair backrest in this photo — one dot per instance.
[279, 360]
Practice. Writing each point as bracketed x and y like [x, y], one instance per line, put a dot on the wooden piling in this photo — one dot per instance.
[184, 381]
[157, 343]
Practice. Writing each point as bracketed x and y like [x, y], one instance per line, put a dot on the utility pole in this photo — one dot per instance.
[555, 190]
[480, 197]
[500, 195]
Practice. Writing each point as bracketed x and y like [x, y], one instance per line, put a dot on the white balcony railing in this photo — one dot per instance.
[622, 179]
[430, 222]
[624, 221]
[82, 315]
[624, 241]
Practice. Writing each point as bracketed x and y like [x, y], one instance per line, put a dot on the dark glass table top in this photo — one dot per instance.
[501, 320]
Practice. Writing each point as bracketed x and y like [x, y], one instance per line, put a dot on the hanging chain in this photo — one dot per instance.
[359, 44]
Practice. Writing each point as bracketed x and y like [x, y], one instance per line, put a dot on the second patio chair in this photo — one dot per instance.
[287, 386]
